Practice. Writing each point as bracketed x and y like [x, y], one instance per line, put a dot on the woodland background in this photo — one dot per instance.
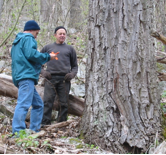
[74, 15]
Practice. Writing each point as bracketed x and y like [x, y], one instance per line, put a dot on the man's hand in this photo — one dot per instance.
[54, 55]
[46, 74]
[69, 76]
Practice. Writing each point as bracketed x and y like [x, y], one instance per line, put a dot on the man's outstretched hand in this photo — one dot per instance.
[54, 55]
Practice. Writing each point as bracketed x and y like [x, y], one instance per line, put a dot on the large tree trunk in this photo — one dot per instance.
[122, 100]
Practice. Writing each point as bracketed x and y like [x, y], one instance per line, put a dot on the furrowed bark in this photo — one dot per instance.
[121, 92]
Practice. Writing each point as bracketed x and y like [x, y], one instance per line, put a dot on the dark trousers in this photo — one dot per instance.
[56, 86]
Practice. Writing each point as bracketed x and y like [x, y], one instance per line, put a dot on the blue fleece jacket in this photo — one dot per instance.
[26, 60]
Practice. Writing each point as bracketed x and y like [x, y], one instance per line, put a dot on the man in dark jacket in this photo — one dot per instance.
[26, 67]
[58, 74]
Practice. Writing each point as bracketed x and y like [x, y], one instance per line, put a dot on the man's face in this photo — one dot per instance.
[60, 36]
[34, 33]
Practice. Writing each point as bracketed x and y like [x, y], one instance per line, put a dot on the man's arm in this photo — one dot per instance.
[74, 66]
[32, 54]
[73, 62]
[44, 73]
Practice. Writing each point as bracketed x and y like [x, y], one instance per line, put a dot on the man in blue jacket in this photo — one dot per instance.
[26, 67]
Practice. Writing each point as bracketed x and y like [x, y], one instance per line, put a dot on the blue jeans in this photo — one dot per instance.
[27, 96]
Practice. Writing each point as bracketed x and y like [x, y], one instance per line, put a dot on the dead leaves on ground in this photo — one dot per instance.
[55, 138]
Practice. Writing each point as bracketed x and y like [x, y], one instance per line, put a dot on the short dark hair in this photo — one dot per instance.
[59, 27]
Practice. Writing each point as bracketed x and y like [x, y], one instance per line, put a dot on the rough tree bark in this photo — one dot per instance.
[122, 100]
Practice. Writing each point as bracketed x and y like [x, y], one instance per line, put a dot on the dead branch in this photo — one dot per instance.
[59, 125]
[158, 36]
[161, 76]
[161, 57]
[38, 134]
[14, 24]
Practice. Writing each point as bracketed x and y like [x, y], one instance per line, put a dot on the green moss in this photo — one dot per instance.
[164, 133]
[163, 124]
[74, 140]
[1, 116]
[79, 146]
[81, 135]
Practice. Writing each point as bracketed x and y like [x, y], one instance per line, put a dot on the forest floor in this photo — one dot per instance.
[59, 139]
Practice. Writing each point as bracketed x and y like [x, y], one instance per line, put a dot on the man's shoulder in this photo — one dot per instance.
[52, 45]
[69, 46]
[49, 45]
[29, 37]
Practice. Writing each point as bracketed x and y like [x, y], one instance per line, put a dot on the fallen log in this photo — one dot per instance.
[8, 89]
[76, 105]
[6, 77]
[38, 134]
[59, 125]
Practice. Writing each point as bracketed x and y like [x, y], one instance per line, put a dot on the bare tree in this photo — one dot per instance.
[161, 21]
[44, 10]
[122, 99]
[1, 5]
[75, 14]
[55, 12]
